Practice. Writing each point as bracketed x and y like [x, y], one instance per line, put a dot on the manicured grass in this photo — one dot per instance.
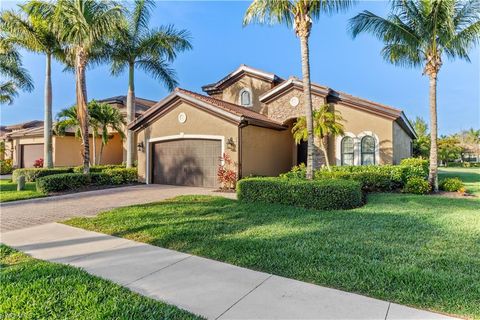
[421, 251]
[8, 191]
[34, 289]
[470, 176]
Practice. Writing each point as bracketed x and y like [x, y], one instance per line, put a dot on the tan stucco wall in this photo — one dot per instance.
[401, 144]
[266, 152]
[257, 87]
[199, 122]
[357, 121]
[67, 151]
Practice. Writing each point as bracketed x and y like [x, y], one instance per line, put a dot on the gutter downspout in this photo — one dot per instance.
[243, 123]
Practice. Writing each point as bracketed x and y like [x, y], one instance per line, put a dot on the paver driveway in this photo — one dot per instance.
[27, 213]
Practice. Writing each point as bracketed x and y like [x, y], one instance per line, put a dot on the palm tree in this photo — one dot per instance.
[104, 117]
[16, 77]
[419, 34]
[137, 46]
[84, 27]
[325, 123]
[35, 34]
[300, 14]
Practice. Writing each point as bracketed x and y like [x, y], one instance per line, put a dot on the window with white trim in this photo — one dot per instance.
[245, 98]
[347, 150]
[367, 147]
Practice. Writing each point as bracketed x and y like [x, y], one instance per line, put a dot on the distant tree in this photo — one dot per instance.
[449, 149]
[105, 117]
[14, 76]
[325, 123]
[421, 145]
[149, 49]
[419, 33]
[300, 14]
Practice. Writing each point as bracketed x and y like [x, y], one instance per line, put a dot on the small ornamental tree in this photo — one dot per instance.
[226, 173]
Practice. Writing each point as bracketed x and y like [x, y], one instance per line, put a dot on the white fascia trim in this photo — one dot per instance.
[179, 136]
[210, 107]
[409, 125]
[268, 75]
[278, 88]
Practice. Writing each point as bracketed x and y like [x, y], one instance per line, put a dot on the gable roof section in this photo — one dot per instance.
[141, 105]
[238, 73]
[223, 109]
[292, 82]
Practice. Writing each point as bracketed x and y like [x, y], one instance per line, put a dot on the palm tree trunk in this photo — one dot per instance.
[307, 95]
[327, 162]
[94, 142]
[47, 125]
[82, 109]
[130, 115]
[432, 175]
[101, 152]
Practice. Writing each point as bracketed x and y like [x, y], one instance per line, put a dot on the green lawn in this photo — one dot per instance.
[8, 191]
[421, 251]
[470, 176]
[34, 289]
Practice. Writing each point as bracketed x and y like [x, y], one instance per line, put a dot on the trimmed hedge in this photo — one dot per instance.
[372, 177]
[327, 194]
[417, 185]
[73, 181]
[99, 168]
[31, 174]
[451, 184]
[62, 182]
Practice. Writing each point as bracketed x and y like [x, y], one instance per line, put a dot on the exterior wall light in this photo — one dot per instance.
[231, 144]
[140, 147]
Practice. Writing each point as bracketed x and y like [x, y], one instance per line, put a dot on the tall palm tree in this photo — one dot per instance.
[16, 77]
[104, 117]
[34, 33]
[300, 14]
[83, 26]
[419, 34]
[325, 123]
[151, 50]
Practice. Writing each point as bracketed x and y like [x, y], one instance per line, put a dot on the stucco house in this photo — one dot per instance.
[24, 142]
[249, 115]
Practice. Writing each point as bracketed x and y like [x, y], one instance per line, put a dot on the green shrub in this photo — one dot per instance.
[122, 175]
[6, 166]
[417, 185]
[317, 194]
[370, 180]
[31, 174]
[62, 182]
[451, 184]
[98, 168]
[297, 172]
[100, 179]
[414, 167]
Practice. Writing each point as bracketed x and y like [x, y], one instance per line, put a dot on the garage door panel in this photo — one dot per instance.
[29, 153]
[190, 162]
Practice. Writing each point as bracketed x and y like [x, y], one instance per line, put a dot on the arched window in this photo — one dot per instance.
[368, 150]
[347, 151]
[245, 98]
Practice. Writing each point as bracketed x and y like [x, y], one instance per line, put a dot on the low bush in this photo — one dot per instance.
[62, 182]
[414, 167]
[72, 181]
[327, 194]
[370, 181]
[417, 185]
[99, 168]
[297, 172]
[451, 185]
[465, 164]
[31, 174]
[6, 166]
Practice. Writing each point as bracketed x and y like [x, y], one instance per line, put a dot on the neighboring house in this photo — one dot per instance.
[24, 142]
[249, 115]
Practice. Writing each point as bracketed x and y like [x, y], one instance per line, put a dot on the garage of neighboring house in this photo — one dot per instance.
[29, 153]
[186, 162]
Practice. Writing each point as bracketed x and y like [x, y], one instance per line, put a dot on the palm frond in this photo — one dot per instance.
[269, 12]
[160, 70]
[165, 41]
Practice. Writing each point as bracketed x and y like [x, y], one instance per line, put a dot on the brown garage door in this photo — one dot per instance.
[30, 153]
[186, 162]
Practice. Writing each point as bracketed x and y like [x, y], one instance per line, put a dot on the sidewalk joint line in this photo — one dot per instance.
[158, 270]
[90, 254]
[388, 309]
[242, 297]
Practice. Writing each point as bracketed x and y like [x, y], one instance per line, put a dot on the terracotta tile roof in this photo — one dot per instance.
[141, 104]
[230, 107]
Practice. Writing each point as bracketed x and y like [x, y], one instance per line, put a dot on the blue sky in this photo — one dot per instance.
[221, 44]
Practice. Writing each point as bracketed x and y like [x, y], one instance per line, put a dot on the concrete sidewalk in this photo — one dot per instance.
[202, 286]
